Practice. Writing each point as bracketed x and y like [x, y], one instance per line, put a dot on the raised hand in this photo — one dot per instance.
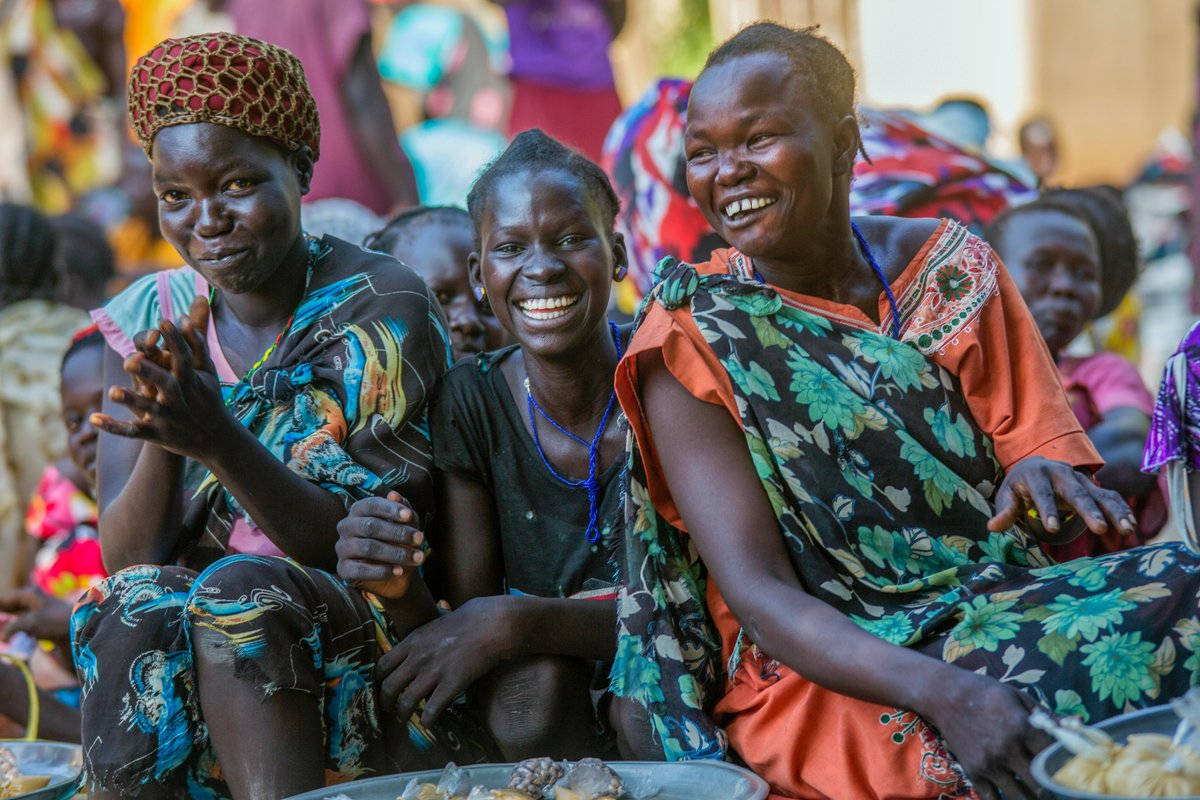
[378, 547]
[176, 399]
[1046, 486]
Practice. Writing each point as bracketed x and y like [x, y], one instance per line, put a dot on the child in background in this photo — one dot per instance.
[62, 516]
[436, 241]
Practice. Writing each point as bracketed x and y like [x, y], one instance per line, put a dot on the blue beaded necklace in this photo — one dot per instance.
[862, 243]
[589, 483]
[866, 251]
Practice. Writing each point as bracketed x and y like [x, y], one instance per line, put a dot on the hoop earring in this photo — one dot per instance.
[620, 272]
[480, 293]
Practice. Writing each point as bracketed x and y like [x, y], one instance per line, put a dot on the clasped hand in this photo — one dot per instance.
[176, 398]
[379, 551]
[1048, 486]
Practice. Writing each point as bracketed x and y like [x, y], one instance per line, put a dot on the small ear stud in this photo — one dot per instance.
[620, 272]
[480, 293]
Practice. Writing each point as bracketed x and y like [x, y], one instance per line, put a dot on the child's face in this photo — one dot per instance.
[82, 394]
[438, 252]
[1055, 262]
[546, 258]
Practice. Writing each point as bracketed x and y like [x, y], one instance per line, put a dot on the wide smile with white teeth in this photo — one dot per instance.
[543, 308]
[739, 208]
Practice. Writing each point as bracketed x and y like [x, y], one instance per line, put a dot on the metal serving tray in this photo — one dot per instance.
[680, 780]
[62, 762]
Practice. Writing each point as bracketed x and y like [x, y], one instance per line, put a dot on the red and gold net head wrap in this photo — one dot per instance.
[226, 79]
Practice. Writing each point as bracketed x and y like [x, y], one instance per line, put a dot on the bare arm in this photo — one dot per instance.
[1120, 437]
[185, 417]
[708, 471]
[374, 131]
[139, 487]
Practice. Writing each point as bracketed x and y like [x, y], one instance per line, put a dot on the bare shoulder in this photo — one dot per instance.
[895, 241]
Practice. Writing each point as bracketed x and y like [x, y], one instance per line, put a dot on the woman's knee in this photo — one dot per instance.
[529, 705]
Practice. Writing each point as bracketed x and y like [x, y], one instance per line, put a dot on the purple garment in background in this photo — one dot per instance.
[1175, 434]
[323, 34]
[560, 42]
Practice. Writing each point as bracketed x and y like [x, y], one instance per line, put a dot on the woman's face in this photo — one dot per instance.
[546, 257]
[761, 160]
[228, 202]
[1055, 262]
[82, 395]
[439, 252]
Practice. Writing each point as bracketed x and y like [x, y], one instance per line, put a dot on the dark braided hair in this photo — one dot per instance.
[399, 228]
[82, 252]
[533, 149]
[26, 255]
[817, 60]
[995, 230]
[1105, 213]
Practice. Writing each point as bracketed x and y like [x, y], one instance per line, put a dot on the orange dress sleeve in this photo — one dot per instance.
[1012, 386]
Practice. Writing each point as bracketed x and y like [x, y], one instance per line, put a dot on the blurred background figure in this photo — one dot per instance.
[83, 262]
[1055, 255]
[436, 242]
[643, 156]
[66, 64]
[962, 120]
[35, 331]
[442, 76]
[337, 216]
[1039, 148]
[562, 79]
[361, 158]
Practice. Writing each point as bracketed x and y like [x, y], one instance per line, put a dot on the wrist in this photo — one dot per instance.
[515, 623]
[943, 688]
[225, 445]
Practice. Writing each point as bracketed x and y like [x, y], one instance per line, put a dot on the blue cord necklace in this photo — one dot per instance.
[862, 243]
[589, 483]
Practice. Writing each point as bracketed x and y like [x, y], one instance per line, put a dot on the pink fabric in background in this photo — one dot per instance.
[323, 34]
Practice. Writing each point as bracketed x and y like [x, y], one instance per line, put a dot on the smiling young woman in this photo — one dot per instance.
[255, 394]
[839, 424]
[528, 444]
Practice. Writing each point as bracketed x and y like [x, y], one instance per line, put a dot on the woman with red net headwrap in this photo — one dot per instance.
[259, 391]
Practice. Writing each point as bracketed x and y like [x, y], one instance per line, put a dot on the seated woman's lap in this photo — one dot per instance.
[268, 621]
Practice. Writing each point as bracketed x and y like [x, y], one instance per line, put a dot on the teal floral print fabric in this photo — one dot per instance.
[882, 483]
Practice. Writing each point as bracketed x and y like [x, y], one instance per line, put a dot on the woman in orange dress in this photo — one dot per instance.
[839, 424]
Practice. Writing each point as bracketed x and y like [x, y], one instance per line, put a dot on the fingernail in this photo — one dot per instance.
[418, 537]
[419, 557]
[397, 571]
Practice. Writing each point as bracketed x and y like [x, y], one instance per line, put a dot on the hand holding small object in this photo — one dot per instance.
[1044, 487]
